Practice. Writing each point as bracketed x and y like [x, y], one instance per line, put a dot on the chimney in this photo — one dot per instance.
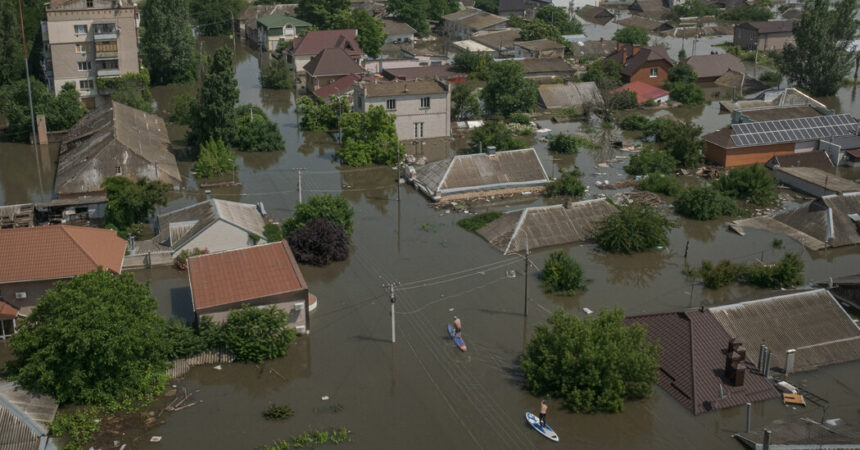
[624, 56]
[636, 49]
[618, 46]
[208, 194]
[491, 150]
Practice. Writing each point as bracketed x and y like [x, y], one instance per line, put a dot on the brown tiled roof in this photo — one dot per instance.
[399, 88]
[316, 41]
[772, 26]
[692, 362]
[643, 91]
[710, 66]
[817, 159]
[339, 86]
[645, 54]
[58, 251]
[536, 66]
[237, 275]
[445, 72]
[332, 61]
[539, 45]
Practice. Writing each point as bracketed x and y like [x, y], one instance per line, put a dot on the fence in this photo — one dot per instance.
[182, 366]
[147, 260]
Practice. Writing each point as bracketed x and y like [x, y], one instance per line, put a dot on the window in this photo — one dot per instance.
[89, 3]
[20, 295]
[80, 29]
[119, 170]
[653, 73]
[425, 102]
[104, 28]
[419, 129]
[84, 65]
[85, 85]
[391, 104]
[81, 48]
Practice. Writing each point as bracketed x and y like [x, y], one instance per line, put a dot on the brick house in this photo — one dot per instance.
[36, 258]
[304, 48]
[422, 107]
[771, 35]
[329, 65]
[649, 65]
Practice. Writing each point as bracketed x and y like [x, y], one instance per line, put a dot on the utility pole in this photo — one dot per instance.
[30, 97]
[391, 294]
[526, 293]
[300, 170]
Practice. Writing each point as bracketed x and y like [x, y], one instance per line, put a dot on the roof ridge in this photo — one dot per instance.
[35, 428]
[78, 245]
[757, 300]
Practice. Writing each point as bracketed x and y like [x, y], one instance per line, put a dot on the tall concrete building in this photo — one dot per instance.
[85, 40]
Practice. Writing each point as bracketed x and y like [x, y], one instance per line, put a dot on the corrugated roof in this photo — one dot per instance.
[709, 66]
[58, 251]
[512, 6]
[115, 136]
[238, 275]
[497, 40]
[537, 66]
[24, 417]
[202, 215]
[772, 26]
[821, 178]
[555, 96]
[546, 226]
[811, 322]
[316, 41]
[332, 62]
[397, 88]
[393, 27]
[481, 21]
[538, 45]
[816, 159]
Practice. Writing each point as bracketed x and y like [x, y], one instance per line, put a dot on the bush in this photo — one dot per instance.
[751, 183]
[335, 209]
[651, 160]
[631, 35]
[131, 89]
[771, 78]
[520, 118]
[634, 228]
[277, 76]
[715, 277]
[181, 260]
[621, 100]
[319, 242]
[478, 221]
[273, 233]
[130, 202]
[687, 93]
[661, 184]
[80, 426]
[563, 143]
[318, 116]
[255, 132]
[567, 184]
[561, 274]
[786, 273]
[182, 341]
[705, 203]
[593, 364]
[464, 101]
[215, 158]
[278, 412]
[257, 334]
[584, 142]
[635, 122]
[493, 133]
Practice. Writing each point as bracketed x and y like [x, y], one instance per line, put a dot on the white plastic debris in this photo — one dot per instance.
[155, 439]
[587, 311]
[218, 367]
[450, 309]
[325, 397]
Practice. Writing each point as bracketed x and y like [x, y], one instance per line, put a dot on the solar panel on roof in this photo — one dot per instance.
[799, 129]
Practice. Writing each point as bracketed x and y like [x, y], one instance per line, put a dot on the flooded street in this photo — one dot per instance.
[421, 392]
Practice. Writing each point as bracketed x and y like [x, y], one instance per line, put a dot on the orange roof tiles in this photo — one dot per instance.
[7, 311]
[249, 273]
[58, 251]
[643, 91]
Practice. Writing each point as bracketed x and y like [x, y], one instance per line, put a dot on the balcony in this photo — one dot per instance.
[109, 54]
[107, 73]
[106, 36]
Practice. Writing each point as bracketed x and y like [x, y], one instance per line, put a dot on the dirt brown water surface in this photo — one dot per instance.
[421, 392]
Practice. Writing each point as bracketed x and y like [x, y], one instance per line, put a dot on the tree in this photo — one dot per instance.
[593, 364]
[567, 184]
[538, 29]
[255, 132]
[682, 73]
[687, 93]
[704, 203]
[475, 63]
[633, 228]
[211, 15]
[820, 57]
[215, 158]
[651, 160]
[507, 90]
[273, 232]
[683, 142]
[321, 13]
[496, 134]
[257, 334]
[61, 111]
[94, 339]
[561, 274]
[750, 13]
[131, 89]
[621, 100]
[214, 115]
[183, 105]
[635, 122]
[563, 143]
[559, 18]
[11, 48]
[661, 184]
[335, 209]
[130, 202]
[695, 8]
[371, 31]
[277, 76]
[413, 12]
[490, 6]
[631, 35]
[166, 42]
[319, 242]
[369, 138]
[319, 116]
[606, 71]
[464, 101]
[751, 183]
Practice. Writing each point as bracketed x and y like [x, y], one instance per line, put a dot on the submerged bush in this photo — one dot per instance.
[561, 274]
[634, 228]
[661, 184]
[567, 184]
[705, 203]
[478, 221]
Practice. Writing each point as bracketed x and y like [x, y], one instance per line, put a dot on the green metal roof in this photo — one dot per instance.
[276, 22]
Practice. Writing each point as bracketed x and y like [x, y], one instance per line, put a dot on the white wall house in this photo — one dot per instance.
[421, 107]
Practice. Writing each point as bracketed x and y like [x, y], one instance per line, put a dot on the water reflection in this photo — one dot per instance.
[277, 101]
[699, 230]
[638, 270]
[21, 171]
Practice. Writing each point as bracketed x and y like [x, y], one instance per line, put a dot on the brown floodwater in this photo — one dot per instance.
[422, 392]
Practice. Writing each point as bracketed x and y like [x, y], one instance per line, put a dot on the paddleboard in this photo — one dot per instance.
[545, 430]
[457, 339]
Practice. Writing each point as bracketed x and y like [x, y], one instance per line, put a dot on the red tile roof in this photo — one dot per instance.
[237, 275]
[7, 311]
[58, 251]
[643, 91]
[318, 40]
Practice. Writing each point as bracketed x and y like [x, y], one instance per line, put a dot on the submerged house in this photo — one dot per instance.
[546, 226]
[569, 95]
[25, 418]
[709, 68]
[480, 174]
[649, 65]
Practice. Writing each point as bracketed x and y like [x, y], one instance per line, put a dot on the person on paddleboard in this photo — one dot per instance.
[457, 326]
[543, 409]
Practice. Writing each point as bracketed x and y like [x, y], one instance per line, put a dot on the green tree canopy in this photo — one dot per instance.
[215, 158]
[131, 89]
[559, 18]
[593, 364]
[255, 132]
[369, 138]
[631, 35]
[490, 6]
[661, 184]
[603, 72]
[687, 93]
[633, 228]
[751, 183]
[493, 133]
[371, 31]
[277, 75]
[211, 16]
[215, 115]
[705, 203]
[257, 334]
[682, 73]
[166, 42]
[538, 29]
[695, 8]
[651, 160]
[758, 12]
[93, 339]
[508, 90]
[130, 202]
[321, 13]
[681, 139]
[563, 143]
[567, 184]
[335, 209]
[61, 111]
[561, 274]
[11, 48]
[819, 58]
[464, 101]
[318, 116]
[477, 63]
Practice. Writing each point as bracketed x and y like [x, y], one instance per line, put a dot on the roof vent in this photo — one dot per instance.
[491, 150]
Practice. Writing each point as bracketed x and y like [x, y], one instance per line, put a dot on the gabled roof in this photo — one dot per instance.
[539, 45]
[178, 227]
[643, 91]
[810, 322]
[340, 86]
[644, 23]
[556, 96]
[281, 20]
[253, 12]
[653, 8]
[692, 362]
[58, 251]
[441, 72]
[110, 137]
[816, 159]
[539, 66]
[642, 56]
[234, 276]
[25, 417]
[497, 39]
[710, 66]
[330, 62]
[512, 6]
[394, 27]
[771, 26]
[474, 18]
[481, 172]
[546, 226]
[595, 14]
[316, 41]
[821, 178]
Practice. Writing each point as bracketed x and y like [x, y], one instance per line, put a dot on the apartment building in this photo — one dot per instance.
[85, 40]
[422, 108]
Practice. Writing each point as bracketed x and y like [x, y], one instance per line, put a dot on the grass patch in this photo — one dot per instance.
[478, 221]
[278, 412]
[311, 439]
